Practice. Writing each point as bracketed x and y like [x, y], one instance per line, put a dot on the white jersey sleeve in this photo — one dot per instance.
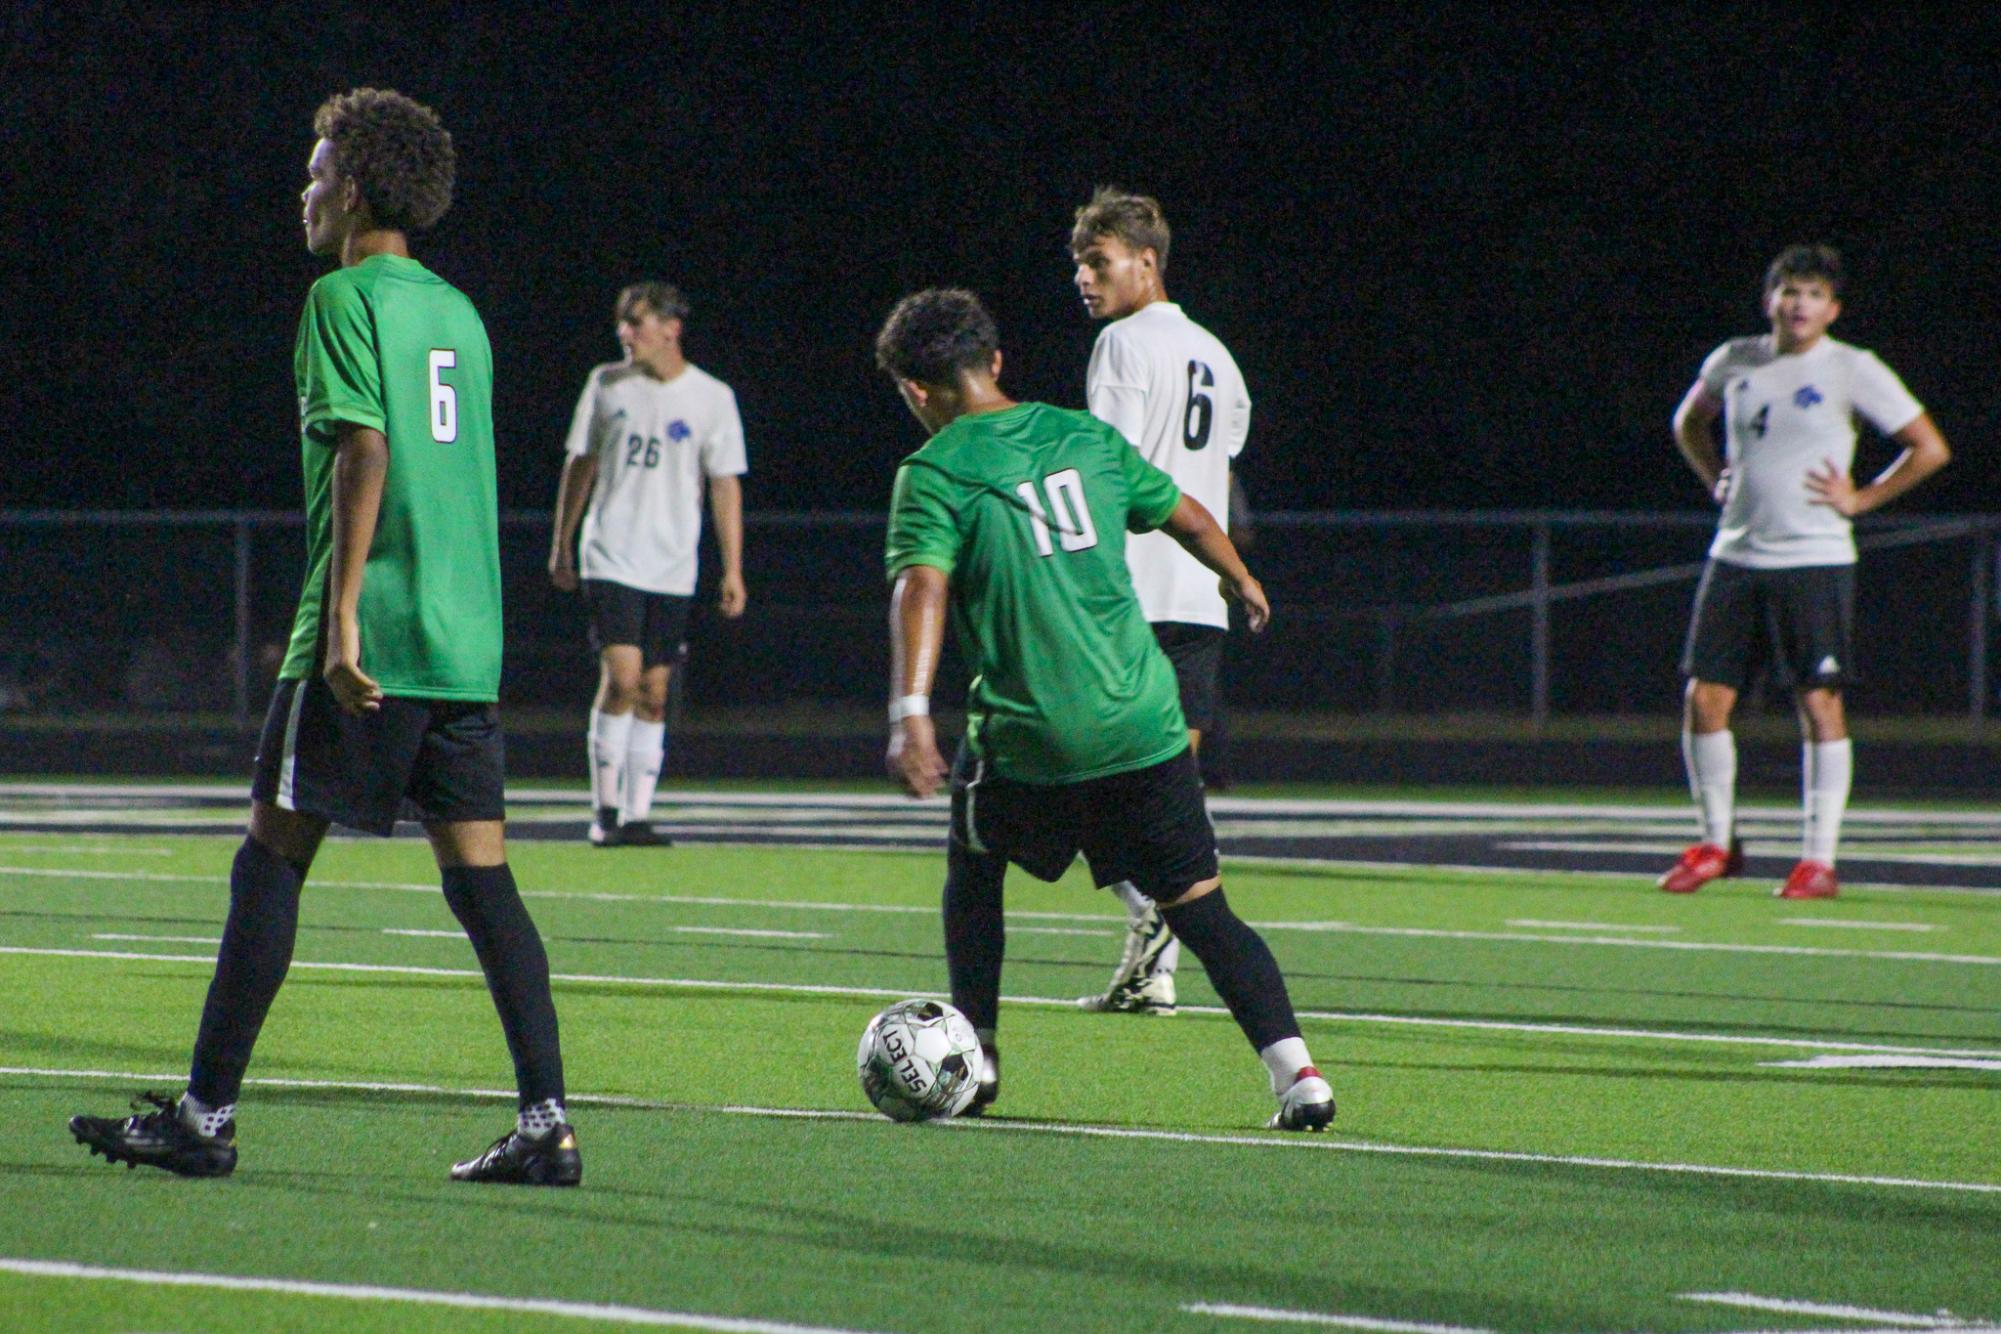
[585, 422]
[723, 453]
[1715, 373]
[1115, 386]
[1879, 396]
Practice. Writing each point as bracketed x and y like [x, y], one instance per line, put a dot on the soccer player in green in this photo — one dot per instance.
[387, 698]
[1014, 516]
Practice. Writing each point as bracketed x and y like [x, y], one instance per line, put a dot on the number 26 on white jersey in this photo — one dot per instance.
[1071, 516]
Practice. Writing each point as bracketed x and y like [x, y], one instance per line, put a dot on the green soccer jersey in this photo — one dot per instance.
[1027, 510]
[388, 344]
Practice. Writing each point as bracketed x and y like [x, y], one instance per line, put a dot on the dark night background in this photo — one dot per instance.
[1468, 256]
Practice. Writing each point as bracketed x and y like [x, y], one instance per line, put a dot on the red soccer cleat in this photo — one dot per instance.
[1701, 864]
[1809, 880]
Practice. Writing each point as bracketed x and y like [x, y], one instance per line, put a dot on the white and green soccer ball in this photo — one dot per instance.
[919, 1059]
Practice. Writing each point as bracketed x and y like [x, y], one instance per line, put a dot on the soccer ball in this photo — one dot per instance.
[919, 1059]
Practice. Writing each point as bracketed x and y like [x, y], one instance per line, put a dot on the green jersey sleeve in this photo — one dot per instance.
[922, 530]
[1151, 494]
[340, 376]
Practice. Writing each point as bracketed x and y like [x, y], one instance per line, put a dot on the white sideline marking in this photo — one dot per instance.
[1063, 1003]
[1273, 1315]
[1888, 1063]
[1858, 926]
[983, 1125]
[175, 940]
[1831, 1310]
[1344, 928]
[1588, 926]
[363, 1292]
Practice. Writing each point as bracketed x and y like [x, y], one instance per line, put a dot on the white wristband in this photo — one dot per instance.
[910, 706]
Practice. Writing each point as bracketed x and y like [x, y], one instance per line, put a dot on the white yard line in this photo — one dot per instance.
[363, 1292]
[1278, 1141]
[167, 940]
[1275, 1316]
[1065, 1003]
[1589, 926]
[1888, 1062]
[1345, 928]
[1855, 925]
[1828, 1310]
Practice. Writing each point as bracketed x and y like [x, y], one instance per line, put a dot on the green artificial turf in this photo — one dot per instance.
[1125, 1174]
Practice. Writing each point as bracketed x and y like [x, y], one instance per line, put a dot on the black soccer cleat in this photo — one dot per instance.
[516, 1160]
[989, 1089]
[158, 1138]
[642, 834]
[604, 831]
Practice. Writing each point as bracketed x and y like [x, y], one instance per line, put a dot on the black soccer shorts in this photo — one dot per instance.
[1147, 825]
[431, 760]
[1197, 654]
[1802, 618]
[655, 623]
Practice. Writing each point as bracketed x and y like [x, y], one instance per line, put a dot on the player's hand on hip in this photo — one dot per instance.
[731, 596]
[913, 760]
[1249, 594]
[353, 689]
[563, 571]
[1830, 486]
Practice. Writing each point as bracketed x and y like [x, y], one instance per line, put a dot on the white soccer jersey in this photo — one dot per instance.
[1785, 416]
[654, 441]
[1174, 391]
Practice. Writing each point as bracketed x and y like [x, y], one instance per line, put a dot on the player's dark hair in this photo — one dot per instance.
[933, 335]
[1822, 262]
[663, 299]
[1134, 219]
[395, 150]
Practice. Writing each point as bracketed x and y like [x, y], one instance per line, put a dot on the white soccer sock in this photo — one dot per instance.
[643, 749]
[1285, 1059]
[1827, 768]
[203, 1119]
[1136, 902]
[538, 1119]
[1711, 758]
[609, 737]
[1136, 908]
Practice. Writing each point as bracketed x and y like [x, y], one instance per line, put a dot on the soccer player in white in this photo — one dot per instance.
[1173, 390]
[648, 433]
[1781, 574]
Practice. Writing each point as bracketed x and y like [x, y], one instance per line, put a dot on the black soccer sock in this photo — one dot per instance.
[249, 968]
[1240, 967]
[489, 907]
[975, 935]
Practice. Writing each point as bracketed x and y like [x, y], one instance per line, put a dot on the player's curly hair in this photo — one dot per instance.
[1821, 262]
[933, 335]
[1135, 219]
[395, 150]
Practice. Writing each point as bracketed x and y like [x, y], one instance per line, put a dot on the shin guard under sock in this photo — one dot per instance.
[975, 936]
[1240, 967]
[489, 907]
[249, 968]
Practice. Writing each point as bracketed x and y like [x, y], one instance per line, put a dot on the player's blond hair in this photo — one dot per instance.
[1135, 219]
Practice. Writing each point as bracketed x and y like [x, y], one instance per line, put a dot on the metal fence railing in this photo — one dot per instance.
[1537, 613]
